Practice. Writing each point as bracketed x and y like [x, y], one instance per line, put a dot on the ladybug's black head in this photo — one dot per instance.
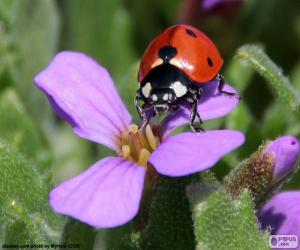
[163, 87]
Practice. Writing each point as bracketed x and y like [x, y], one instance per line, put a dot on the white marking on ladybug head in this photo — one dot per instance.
[179, 89]
[157, 62]
[166, 97]
[154, 98]
[147, 89]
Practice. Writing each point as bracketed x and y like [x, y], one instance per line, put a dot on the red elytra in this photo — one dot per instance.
[197, 56]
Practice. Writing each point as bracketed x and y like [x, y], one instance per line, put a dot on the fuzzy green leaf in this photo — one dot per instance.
[257, 59]
[25, 213]
[170, 222]
[18, 129]
[78, 233]
[221, 223]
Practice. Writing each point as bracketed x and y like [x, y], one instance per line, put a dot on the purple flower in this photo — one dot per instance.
[195, 11]
[108, 193]
[281, 214]
[285, 152]
[208, 5]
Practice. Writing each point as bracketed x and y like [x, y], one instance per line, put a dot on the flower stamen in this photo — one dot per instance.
[151, 137]
[137, 145]
[143, 158]
[125, 151]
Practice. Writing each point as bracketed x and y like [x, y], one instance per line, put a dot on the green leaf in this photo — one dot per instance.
[18, 129]
[25, 213]
[121, 238]
[222, 223]
[170, 221]
[258, 60]
[76, 232]
[34, 36]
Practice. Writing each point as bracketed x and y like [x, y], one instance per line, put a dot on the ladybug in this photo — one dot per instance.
[172, 70]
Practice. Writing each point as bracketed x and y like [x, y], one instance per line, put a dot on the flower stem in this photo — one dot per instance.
[261, 63]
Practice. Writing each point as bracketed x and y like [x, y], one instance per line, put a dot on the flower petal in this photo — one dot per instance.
[209, 4]
[286, 150]
[223, 6]
[281, 214]
[83, 93]
[106, 195]
[212, 104]
[188, 153]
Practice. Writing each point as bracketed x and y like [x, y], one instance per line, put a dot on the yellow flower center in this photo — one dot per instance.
[137, 145]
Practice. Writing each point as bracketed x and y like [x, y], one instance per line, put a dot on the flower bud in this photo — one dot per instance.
[286, 152]
[265, 169]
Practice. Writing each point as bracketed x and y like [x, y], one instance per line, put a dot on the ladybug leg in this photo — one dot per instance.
[140, 111]
[195, 114]
[221, 87]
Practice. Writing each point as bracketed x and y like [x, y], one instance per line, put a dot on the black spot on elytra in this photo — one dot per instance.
[167, 53]
[210, 62]
[191, 33]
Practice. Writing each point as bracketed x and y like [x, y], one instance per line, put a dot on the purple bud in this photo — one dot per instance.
[265, 169]
[285, 151]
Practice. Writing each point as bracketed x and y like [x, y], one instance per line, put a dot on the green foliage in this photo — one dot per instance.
[72, 154]
[254, 174]
[102, 29]
[128, 88]
[18, 129]
[170, 221]
[238, 75]
[76, 232]
[34, 142]
[31, 28]
[295, 74]
[257, 59]
[25, 213]
[222, 223]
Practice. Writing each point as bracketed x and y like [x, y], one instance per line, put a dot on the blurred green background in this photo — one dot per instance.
[115, 33]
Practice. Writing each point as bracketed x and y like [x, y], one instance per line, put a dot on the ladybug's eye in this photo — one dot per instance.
[210, 62]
